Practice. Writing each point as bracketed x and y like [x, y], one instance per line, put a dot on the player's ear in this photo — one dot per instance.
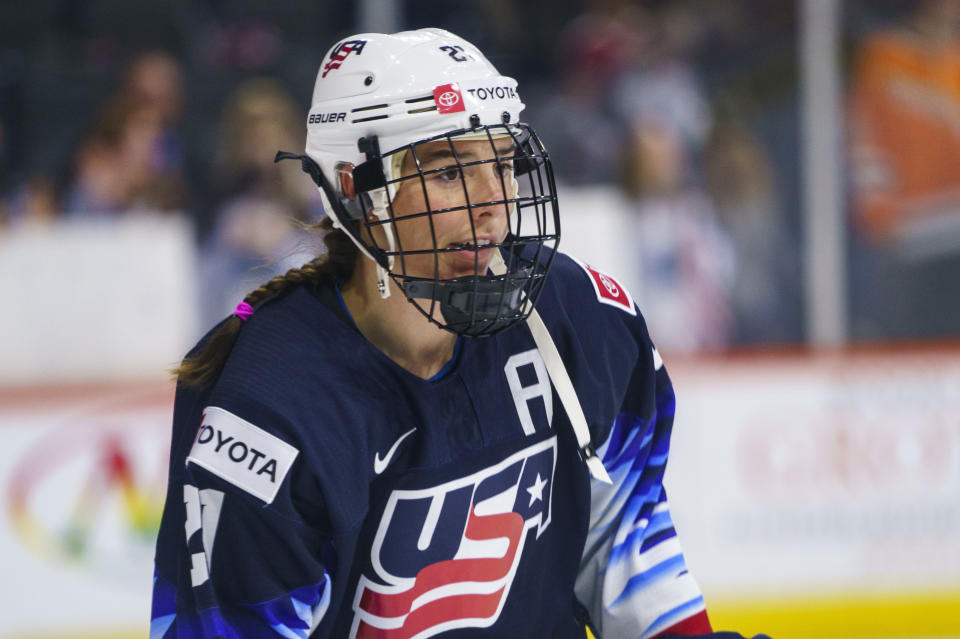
[357, 204]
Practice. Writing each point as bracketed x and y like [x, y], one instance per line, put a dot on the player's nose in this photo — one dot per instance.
[488, 192]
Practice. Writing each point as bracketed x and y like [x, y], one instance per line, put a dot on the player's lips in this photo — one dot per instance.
[468, 252]
[470, 245]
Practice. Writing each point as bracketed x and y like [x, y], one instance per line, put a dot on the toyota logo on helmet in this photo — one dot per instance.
[448, 98]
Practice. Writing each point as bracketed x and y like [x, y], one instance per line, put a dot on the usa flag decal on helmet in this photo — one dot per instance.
[457, 572]
[340, 53]
[608, 290]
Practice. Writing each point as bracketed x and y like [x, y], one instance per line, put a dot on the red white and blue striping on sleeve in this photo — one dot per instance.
[292, 616]
[633, 578]
[217, 602]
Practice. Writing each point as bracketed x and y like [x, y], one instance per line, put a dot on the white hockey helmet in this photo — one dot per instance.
[378, 97]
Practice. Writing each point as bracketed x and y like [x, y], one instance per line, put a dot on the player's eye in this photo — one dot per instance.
[449, 175]
[504, 168]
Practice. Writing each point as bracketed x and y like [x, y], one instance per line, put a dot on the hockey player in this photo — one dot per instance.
[418, 434]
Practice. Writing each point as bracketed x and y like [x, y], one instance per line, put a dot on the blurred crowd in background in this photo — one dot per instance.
[688, 109]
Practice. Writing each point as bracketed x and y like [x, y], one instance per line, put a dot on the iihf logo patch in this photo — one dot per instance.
[448, 98]
[445, 557]
[608, 290]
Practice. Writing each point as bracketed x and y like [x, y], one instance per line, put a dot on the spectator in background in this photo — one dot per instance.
[118, 167]
[686, 261]
[905, 126]
[253, 238]
[713, 248]
[586, 135]
[659, 84]
[905, 174]
[130, 159]
[739, 178]
[156, 77]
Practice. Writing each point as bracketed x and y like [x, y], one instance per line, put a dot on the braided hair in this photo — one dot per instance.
[203, 366]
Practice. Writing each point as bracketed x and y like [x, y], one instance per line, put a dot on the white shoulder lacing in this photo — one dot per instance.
[561, 381]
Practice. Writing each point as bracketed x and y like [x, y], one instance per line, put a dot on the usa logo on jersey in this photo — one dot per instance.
[445, 557]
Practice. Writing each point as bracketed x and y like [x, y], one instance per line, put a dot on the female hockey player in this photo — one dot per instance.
[418, 434]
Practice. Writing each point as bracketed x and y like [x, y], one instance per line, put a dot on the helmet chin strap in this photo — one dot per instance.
[378, 209]
[561, 381]
[383, 275]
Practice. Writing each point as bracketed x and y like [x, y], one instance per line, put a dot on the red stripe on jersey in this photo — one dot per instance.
[698, 624]
[435, 613]
[465, 572]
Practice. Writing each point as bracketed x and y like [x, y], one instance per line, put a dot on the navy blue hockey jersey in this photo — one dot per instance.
[318, 489]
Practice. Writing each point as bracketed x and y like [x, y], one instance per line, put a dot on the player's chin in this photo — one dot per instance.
[452, 265]
[466, 263]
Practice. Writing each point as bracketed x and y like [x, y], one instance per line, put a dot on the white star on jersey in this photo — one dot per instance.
[536, 490]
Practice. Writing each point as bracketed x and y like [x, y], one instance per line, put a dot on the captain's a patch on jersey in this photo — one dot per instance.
[608, 290]
[241, 453]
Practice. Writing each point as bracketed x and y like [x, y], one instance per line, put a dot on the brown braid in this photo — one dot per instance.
[203, 367]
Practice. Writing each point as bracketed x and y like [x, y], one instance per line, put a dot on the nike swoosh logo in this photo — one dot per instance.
[380, 465]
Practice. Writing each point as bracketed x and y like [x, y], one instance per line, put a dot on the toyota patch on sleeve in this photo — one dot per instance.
[241, 453]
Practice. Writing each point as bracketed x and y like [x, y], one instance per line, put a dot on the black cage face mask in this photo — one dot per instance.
[470, 213]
